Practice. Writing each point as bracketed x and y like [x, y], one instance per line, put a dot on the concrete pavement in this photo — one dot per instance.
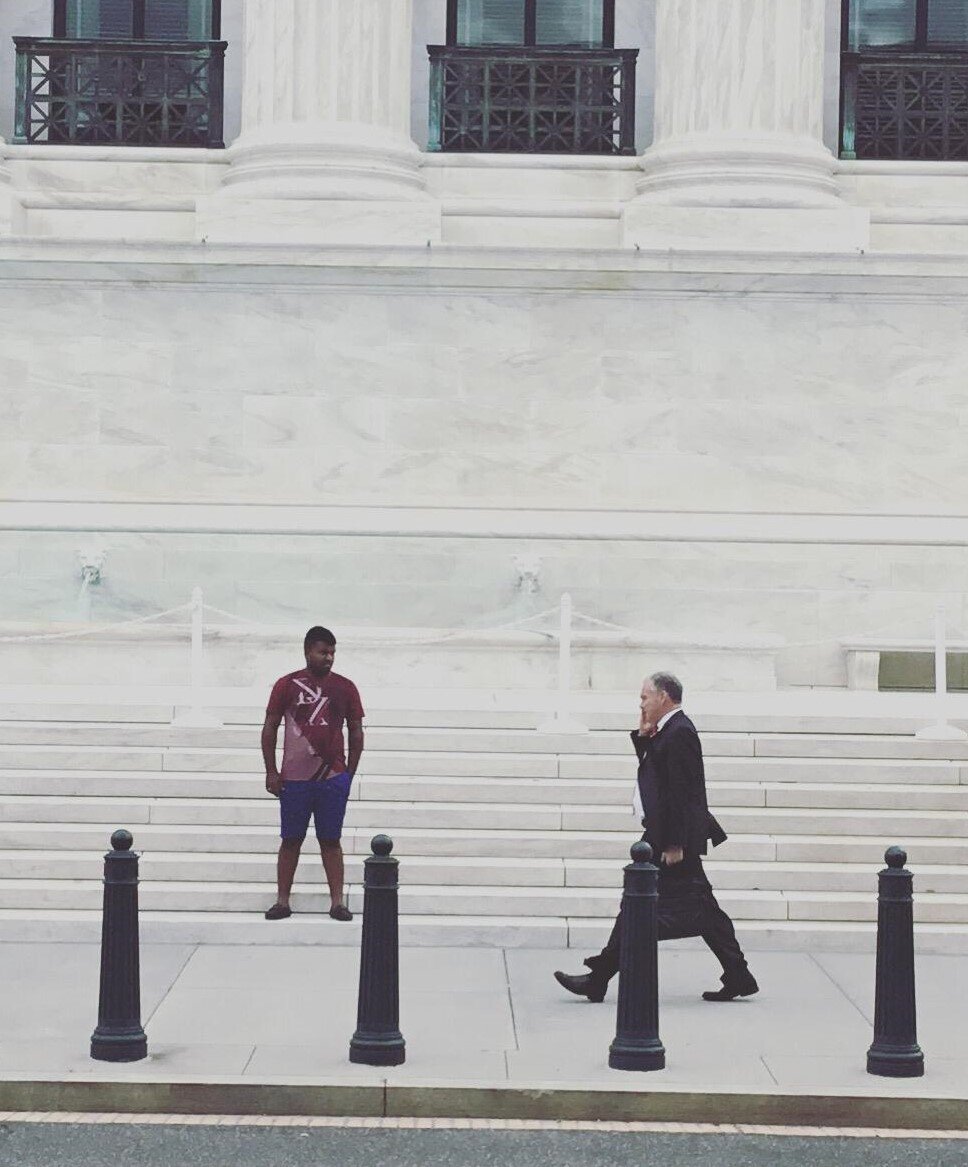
[481, 1025]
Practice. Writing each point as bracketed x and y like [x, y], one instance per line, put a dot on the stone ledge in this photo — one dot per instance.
[627, 1102]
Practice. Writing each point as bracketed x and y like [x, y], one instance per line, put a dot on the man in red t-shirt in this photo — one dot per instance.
[316, 776]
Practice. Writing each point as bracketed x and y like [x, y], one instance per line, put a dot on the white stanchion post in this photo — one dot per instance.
[941, 730]
[195, 714]
[562, 721]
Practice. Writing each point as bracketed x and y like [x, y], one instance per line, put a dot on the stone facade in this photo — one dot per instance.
[715, 391]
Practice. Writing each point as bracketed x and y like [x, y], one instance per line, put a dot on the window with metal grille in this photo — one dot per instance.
[904, 79]
[532, 77]
[123, 73]
[584, 23]
[172, 20]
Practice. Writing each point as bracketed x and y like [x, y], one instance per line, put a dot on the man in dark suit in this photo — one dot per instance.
[678, 825]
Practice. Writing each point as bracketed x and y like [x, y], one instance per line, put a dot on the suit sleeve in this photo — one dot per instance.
[684, 774]
[639, 744]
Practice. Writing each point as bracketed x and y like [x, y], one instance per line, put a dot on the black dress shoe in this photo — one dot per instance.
[741, 987]
[582, 986]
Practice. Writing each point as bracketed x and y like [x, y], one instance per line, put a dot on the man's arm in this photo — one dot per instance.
[354, 732]
[270, 732]
[640, 737]
[683, 766]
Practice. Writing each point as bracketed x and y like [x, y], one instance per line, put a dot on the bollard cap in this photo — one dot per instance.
[895, 857]
[121, 840]
[641, 852]
[381, 845]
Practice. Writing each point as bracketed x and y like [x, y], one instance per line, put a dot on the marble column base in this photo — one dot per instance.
[705, 170]
[324, 161]
[657, 227]
[322, 222]
[321, 183]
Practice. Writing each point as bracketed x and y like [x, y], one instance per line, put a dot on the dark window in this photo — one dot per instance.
[532, 77]
[919, 25]
[123, 73]
[585, 23]
[904, 79]
[137, 19]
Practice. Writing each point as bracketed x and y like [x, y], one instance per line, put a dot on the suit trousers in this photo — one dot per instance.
[717, 928]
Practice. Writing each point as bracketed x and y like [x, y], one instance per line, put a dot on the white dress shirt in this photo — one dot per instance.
[637, 808]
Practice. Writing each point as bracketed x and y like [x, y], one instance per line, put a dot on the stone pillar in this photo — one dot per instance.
[738, 134]
[325, 153]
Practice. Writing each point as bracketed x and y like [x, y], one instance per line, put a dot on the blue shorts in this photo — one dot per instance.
[325, 802]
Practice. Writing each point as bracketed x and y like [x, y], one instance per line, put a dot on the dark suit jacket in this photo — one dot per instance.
[672, 784]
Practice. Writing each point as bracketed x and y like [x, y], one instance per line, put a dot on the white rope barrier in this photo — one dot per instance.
[563, 631]
[94, 629]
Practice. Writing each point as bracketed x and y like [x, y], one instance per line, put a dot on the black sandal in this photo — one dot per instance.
[340, 912]
[279, 912]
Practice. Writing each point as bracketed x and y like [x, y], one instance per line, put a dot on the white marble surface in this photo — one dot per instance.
[326, 108]
[335, 221]
[739, 66]
[491, 400]
[626, 401]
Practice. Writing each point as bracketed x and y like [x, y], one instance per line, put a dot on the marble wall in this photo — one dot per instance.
[715, 395]
[623, 398]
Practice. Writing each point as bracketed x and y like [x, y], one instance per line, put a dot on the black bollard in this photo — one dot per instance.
[637, 1045]
[378, 1040]
[895, 1052]
[119, 1036]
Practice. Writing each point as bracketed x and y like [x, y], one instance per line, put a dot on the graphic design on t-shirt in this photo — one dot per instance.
[312, 697]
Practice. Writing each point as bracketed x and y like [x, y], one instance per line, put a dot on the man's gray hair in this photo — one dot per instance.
[669, 685]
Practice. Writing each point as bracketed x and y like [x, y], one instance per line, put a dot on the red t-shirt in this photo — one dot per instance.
[313, 711]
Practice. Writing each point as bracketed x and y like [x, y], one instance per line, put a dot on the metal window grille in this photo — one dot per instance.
[905, 106]
[532, 100]
[123, 93]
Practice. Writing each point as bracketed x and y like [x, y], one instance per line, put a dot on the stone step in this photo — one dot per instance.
[388, 763]
[810, 713]
[481, 901]
[827, 770]
[261, 866]
[405, 787]
[182, 895]
[216, 760]
[585, 844]
[544, 902]
[617, 794]
[492, 739]
[470, 871]
[426, 740]
[581, 934]
[389, 816]
[741, 875]
[787, 820]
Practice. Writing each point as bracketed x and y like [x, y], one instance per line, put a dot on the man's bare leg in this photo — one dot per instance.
[286, 865]
[331, 851]
[332, 855]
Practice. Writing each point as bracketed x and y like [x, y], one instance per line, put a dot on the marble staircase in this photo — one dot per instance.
[505, 836]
